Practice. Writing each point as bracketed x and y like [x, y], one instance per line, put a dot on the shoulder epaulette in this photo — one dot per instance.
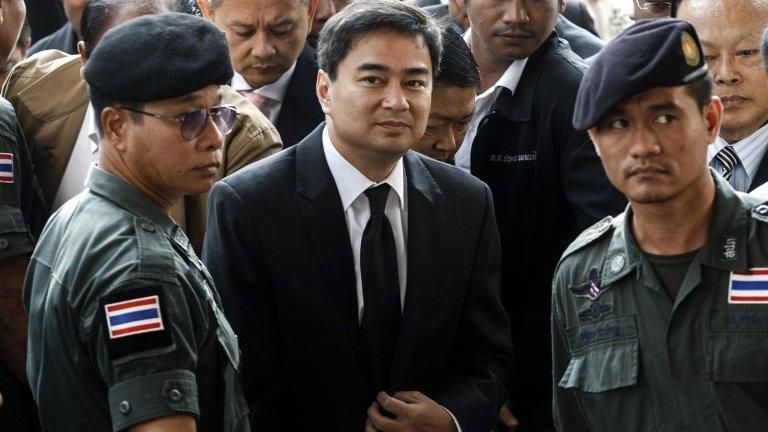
[593, 233]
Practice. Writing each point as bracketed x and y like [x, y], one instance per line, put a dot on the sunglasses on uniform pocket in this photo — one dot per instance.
[192, 123]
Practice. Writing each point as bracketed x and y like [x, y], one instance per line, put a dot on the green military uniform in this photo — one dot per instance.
[22, 214]
[125, 325]
[628, 357]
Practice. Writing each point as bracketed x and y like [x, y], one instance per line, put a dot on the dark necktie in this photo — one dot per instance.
[728, 161]
[381, 289]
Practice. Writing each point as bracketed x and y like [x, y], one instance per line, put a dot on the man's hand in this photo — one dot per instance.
[413, 411]
[507, 419]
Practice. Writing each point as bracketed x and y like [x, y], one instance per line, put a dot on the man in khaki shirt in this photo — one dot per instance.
[52, 99]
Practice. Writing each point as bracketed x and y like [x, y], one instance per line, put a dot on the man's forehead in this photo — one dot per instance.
[366, 50]
[653, 98]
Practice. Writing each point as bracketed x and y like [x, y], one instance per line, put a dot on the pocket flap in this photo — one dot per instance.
[604, 367]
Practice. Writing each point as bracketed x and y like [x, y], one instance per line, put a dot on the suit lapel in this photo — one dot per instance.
[327, 227]
[761, 176]
[424, 222]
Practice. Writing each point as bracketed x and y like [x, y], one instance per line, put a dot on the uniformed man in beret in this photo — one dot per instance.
[126, 330]
[660, 315]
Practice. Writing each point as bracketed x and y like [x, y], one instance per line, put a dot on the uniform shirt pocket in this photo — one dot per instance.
[738, 343]
[604, 355]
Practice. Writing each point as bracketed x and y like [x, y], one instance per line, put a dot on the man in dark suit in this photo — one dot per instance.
[548, 183]
[65, 38]
[581, 41]
[578, 13]
[274, 68]
[361, 277]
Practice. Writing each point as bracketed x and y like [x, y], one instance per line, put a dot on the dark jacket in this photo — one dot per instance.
[577, 12]
[300, 113]
[582, 42]
[548, 184]
[64, 39]
[278, 249]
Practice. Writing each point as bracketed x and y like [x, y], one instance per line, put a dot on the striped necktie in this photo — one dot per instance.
[728, 161]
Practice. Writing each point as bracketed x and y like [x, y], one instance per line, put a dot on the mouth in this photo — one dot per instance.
[514, 35]
[733, 101]
[395, 125]
[646, 172]
[263, 68]
[211, 168]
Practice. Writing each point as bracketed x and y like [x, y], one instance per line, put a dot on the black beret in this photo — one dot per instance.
[651, 53]
[157, 57]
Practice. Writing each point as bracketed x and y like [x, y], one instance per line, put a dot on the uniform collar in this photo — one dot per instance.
[127, 196]
[725, 248]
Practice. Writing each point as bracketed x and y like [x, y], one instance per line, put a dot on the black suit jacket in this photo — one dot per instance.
[548, 185]
[582, 42]
[300, 112]
[63, 39]
[578, 13]
[761, 176]
[279, 251]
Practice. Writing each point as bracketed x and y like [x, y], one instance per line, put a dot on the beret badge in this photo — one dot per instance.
[690, 50]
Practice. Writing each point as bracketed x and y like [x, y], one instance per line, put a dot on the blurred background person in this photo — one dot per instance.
[19, 51]
[325, 10]
[67, 36]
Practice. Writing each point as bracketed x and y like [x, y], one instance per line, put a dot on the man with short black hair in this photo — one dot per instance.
[359, 275]
[274, 68]
[58, 119]
[546, 178]
[453, 100]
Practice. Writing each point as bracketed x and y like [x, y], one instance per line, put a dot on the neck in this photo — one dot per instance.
[116, 165]
[490, 66]
[678, 225]
[374, 166]
[734, 135]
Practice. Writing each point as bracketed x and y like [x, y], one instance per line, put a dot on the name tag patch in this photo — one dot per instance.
[750, 287]
[135, 316]
[6, 167]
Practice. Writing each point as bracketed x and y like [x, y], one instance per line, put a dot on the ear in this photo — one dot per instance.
[323, 89]
[591, 131]
[713, 113]
[114, 128]
[2, 15]
[83, 57]
[562, 5]
[205, 9]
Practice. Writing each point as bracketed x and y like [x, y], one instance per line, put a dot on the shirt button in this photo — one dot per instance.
[148, 227]
[762, 209]
[3, 244]
[175, 395]
[125, 407]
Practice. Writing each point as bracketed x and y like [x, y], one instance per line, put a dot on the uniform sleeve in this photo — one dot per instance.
[141, 336]
[22, 209]
[567, 413]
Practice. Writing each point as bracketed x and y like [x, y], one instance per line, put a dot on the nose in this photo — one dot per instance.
[211, 138]
[645, 143]
[726, 71]
[515, 13]
[395, 99]
[325, 10]
[262, 47]
[447, 141]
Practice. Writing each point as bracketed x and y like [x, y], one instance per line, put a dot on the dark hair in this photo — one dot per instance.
[700, 90]
[216, 3]
[457, 65]
[361, 17]
[99, 15]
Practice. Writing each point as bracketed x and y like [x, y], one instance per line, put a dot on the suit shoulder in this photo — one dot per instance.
[40, 65]
[445, 173]
[265, 174]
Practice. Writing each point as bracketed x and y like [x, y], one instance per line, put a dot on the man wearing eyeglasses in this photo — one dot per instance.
[51, 99]
[651, 9]
[730, 33]
[126, 330]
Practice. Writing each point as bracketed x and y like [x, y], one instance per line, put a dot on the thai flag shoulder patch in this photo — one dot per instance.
[6, 167]
[134, 322]
[135, 316]
[750, 287]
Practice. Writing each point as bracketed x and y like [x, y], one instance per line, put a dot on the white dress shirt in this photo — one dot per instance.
[274, 91]
[84, 154]
[510, 79]
[352, 185]
[750, 151]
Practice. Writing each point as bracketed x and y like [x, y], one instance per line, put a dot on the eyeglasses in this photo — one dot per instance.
[655, 7]
[192, 123]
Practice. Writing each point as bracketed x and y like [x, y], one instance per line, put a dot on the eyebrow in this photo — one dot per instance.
[665, 106]
[381, 68]
[445, 118]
